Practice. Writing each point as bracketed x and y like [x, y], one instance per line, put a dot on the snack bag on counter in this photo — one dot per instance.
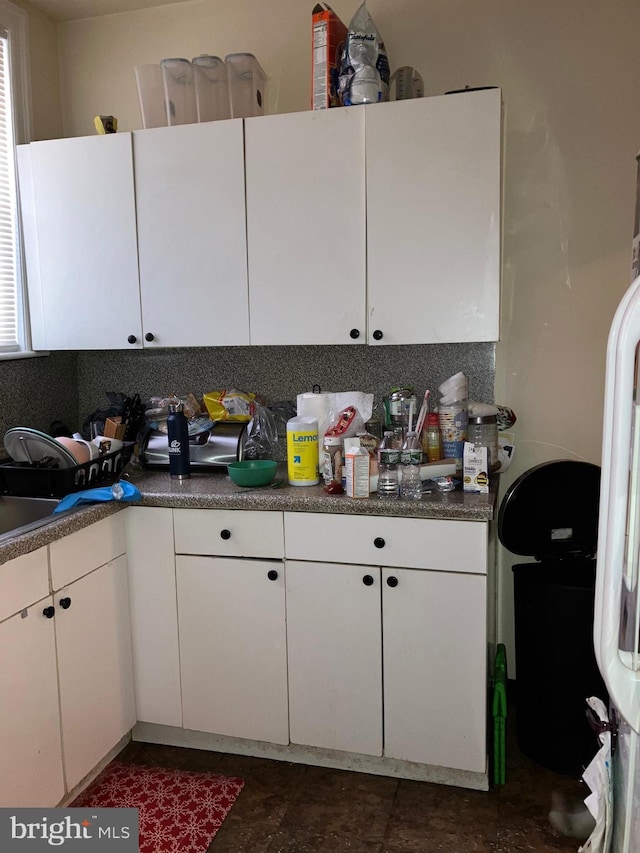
[346, 423]
[230, 405]
[364, 67]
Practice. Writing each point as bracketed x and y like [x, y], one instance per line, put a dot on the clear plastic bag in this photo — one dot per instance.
[262, 435]
[364, 66]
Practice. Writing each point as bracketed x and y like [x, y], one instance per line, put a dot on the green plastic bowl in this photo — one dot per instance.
[252, 472]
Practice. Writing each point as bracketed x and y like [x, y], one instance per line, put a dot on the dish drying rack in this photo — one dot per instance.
[24, 480]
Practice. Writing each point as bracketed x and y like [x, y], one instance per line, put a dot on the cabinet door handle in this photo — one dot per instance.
[132, 339]
[65, 603]
[379, 542]
[49, 611]
[272, 575]
[367, 580]
[149, 337]
[354, 333]
[377, 335]
[392, 581]
[225, 534]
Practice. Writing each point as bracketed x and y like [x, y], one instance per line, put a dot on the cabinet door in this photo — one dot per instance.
[433, 219]
[435, 679]
[30, 749]
[334, 653]
[93, 637]
[306, 227]
[154, 615]
[191, 234]
[233, 665]
[87, 295]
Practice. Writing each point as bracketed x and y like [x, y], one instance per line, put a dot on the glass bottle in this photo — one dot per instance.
[388, 458]
[483, 432]
[410, 460]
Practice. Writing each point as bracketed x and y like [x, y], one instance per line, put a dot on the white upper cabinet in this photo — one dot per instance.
[306, 227]
[377, 224]
[83, 269]
[433, 219]
[192, 245]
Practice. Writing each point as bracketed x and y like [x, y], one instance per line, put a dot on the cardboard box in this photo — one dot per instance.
[114, 428]
[475, 469]
[328, 35]
[357, 465]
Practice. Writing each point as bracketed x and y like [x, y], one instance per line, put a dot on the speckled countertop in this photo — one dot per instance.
[216, 491]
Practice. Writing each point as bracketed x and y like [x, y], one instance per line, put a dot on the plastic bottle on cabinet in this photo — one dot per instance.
[388, 477]
[178, 437]
[410, 461]
[432, 438]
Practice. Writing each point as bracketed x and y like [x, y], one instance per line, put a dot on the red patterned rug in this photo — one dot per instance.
[179, 810]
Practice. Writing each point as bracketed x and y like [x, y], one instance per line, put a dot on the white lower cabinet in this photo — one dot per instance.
[359, 635]
[154, 616]
[233, 662]
[334, 641]
[94, 666]
[66, 680]
[232, 623]
[30, 748]
[389, 661]
[435, 668]
[432, 662]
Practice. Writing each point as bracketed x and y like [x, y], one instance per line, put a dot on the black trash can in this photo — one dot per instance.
[551, 513]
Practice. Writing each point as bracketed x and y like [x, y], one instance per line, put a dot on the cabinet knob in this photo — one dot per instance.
[392, 581]
[377, 335]
[379, 542]
[49, 611]
[367, 580]
[354, 333]
[149, 336]
[272, 575]
[132, 339]
[225, 534]
[65, 603]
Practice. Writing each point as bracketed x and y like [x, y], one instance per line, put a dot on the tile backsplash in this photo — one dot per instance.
[68, 386]
[36, 391]
[280, 373]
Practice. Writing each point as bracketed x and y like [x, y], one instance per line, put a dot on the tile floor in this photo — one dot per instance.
[293, 808]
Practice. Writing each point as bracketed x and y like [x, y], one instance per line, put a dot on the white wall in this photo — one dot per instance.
[46, 119]
[569, 73]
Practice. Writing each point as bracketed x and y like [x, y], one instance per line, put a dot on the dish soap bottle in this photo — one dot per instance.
[178, 436]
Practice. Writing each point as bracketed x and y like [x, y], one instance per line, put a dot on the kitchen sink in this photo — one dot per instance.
[22, 515]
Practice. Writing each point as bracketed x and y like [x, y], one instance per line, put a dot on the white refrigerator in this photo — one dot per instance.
[617, 604]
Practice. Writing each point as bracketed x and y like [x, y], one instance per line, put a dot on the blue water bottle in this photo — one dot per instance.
[178, 435]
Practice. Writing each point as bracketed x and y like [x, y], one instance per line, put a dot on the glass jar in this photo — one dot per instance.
[483, 432]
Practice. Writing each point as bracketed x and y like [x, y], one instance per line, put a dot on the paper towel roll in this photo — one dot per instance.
[325, 405]
[322, 407]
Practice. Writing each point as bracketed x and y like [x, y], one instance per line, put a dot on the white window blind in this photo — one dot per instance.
[15, 112]
[9, 284]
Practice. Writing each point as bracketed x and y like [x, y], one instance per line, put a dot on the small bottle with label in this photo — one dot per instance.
[388, 478]
[410, 461]
[332, 459]
[178, 437]
[432, 439]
